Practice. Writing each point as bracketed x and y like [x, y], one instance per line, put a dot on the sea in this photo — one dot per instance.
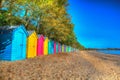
[115, 52]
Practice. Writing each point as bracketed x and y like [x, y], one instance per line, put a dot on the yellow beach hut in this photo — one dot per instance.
[46, 46]
[63, 48]
[31, 44]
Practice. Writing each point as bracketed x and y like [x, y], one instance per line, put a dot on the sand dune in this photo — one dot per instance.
[82, 65]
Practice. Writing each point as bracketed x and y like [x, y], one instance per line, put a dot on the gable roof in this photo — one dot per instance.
[8, 29]
[45, 37]
[40, 35]
[30, 32]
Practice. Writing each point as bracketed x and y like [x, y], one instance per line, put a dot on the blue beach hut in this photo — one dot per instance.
[51, 47]
[13, 41]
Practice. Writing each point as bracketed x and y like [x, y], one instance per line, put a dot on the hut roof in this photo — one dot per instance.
[30, 32]
[8, 29]
[39, 35]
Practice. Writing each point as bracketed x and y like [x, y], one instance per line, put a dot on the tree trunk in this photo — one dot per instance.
[27, 24]
[0, 3]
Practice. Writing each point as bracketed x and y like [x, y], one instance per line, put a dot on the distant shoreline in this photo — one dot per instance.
[110, 52]
[102, 49]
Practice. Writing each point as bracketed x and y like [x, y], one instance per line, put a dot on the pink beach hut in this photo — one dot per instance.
[54, 47]
[40, 45]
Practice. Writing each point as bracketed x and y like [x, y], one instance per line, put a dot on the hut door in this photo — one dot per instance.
[52, 47]
[32, 47]
[19, 44]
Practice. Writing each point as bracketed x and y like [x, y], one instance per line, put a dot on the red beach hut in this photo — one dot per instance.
[40, 45]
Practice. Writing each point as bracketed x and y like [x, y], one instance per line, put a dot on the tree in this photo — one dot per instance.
[47, 17]
[0, 3]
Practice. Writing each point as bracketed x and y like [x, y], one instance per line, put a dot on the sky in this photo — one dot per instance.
[97, 22]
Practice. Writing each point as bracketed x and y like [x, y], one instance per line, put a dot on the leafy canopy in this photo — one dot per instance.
[48, 17]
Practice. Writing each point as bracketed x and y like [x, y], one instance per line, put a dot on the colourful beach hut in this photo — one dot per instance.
[59, 47]
[32, 44]
[40, 45]
[62, 48]
[13, 40]
[54, 47]
[74, 49]
[66, 48]
[46, 45]
[69, 49]
[50, 47]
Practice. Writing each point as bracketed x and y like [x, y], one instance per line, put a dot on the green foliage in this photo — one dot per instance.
[7, 19]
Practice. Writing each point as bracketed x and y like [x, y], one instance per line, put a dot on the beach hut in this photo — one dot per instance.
[74, 49]
[40, 45]
[13, 43]
[62, 48]
[54, 47]
[66, 48]
[69, 50]
[46, 45]
[32, 44]
[59, 47]
[50, 47]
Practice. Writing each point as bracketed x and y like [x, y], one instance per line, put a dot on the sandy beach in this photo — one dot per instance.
[82, 65]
